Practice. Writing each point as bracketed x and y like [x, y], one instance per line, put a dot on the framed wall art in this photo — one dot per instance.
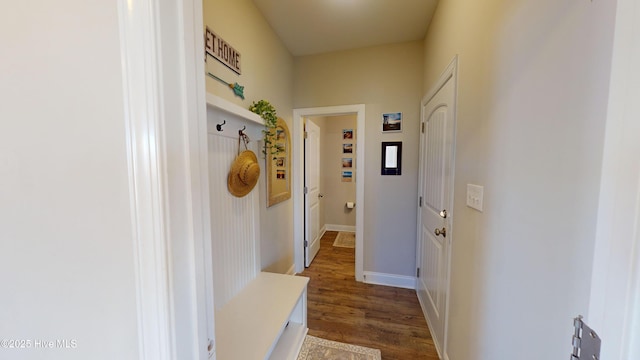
[392, 122]
[278, 163]
[391, 158]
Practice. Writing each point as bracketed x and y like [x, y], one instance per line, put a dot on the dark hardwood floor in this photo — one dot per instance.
[381, 317]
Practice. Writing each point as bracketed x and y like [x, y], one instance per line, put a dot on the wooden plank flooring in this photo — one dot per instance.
[381, 317]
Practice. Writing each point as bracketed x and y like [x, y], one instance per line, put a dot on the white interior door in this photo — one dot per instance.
[312, 191]
[435, 215]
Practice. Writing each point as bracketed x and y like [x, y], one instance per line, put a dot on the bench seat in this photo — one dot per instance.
[267, 319]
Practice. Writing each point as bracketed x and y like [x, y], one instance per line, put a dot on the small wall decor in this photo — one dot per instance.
[347, 165]
[392, 122]
[279, 165]
[237, 89]
[391, 158]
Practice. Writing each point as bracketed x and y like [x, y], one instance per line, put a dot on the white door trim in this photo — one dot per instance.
[161, 46]
[298, 179]
[634, 311]
[615, 284]
[451, 72]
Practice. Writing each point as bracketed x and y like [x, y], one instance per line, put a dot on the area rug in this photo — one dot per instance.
[315, 348]
[345, 239]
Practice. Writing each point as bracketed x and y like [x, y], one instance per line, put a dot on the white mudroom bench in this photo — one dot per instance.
[266, 320]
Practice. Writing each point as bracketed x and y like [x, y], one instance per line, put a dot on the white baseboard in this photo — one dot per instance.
[333, 227]
[292, 270]
[401, 281]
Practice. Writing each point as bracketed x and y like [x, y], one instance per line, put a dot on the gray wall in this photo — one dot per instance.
[67, 261]
[336, 192]
[532, 103]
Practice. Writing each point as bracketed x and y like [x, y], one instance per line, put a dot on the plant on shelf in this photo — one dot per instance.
[268, 113]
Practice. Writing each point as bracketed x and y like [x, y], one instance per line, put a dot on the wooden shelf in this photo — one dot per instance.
[253, 325]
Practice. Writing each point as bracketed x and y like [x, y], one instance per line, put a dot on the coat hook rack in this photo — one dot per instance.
[219, 126]
[242, 137]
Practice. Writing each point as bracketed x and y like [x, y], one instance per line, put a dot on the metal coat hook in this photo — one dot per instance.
[242, 137]
[219, 126]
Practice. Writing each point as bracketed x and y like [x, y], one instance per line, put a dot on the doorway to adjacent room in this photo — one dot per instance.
[298, 186]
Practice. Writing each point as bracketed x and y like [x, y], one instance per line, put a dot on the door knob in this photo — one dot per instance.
[442, 232]
[443, 214]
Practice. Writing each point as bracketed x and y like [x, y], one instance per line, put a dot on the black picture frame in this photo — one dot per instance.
[391, 163]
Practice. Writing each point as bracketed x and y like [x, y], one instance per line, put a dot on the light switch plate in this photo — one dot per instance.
[475, 194]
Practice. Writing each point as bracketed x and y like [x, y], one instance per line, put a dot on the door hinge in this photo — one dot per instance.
[306, 134]
[306, 243]
[586, 343]
[210, 347]
[306, 190]
[420, 202]
[417, 272]
[422, 127]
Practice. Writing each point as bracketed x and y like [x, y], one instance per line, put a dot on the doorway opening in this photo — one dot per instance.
[330, 187]
[298, 195]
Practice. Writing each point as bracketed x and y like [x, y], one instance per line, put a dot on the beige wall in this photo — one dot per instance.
[532, 98]
[267, 73]
[336, 192]
[385, 79]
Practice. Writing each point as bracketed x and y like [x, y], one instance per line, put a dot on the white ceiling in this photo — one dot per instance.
[318, 26]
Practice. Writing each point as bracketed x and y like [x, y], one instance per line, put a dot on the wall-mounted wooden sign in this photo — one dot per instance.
[222, 51]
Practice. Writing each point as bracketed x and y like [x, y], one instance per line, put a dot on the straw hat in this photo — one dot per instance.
[244, 174]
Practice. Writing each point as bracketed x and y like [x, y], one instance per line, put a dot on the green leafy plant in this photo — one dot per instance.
[268, 113]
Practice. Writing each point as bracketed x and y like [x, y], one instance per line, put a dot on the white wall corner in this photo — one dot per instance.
[613, 306]
[399, 281]
[147, 166]
[171, 304]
